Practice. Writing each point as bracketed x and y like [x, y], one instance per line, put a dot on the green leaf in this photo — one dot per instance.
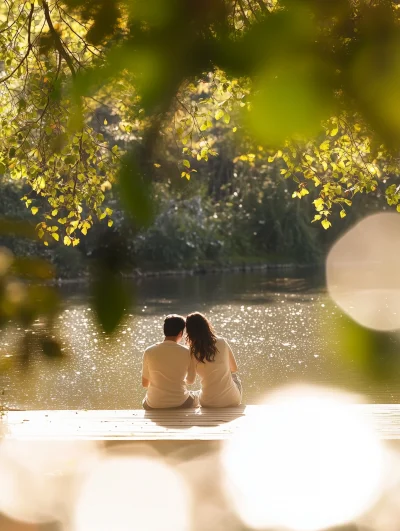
[135, 190]
[51, 348]
[110, 299]
[186, 163]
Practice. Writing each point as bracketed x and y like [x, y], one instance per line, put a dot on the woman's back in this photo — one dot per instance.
[217, 386]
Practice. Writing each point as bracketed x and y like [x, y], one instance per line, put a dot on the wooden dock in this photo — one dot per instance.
[174, 425]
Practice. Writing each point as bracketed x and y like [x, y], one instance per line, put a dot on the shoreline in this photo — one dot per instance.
[138, 273]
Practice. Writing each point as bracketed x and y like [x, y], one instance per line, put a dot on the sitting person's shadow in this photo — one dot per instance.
[180, 419]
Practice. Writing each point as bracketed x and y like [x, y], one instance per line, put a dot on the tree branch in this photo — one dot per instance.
[57, 40]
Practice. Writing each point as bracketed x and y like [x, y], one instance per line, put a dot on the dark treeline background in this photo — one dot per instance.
[230, 213]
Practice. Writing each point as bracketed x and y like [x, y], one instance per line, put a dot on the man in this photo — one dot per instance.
[167, 368]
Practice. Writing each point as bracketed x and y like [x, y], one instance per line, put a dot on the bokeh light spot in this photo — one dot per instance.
[305, 461]
[132, 493]
[362, 272]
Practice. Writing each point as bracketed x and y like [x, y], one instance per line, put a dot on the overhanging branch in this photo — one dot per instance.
[57, 40]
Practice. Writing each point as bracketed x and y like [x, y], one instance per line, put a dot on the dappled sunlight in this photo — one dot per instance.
[307, 461]
[38, 477]
[125, 493]
[362, 272]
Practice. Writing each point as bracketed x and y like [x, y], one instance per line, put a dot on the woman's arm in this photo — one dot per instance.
[191, 374]
[232, 362]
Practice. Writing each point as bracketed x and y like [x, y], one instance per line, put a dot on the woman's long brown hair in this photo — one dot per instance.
[201, 337]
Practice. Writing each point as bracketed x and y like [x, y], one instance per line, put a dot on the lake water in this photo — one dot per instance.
[277, 327]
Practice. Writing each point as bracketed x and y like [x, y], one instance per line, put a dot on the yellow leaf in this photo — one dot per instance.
[304, 192]
[234, 129]
[75, 242]
[34, 210]
[54, 212]
[319, 204]
[186, 163]
[105, 121]
[56, 236]
[219, 114]
[326, 224]
[324, 146]
[334, 132]
[67, 240]
[342, 213]
[110, 223]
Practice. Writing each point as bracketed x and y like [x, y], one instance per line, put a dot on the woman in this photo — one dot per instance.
[216, 364]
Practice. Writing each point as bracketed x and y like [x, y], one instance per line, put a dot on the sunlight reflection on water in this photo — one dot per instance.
[276, 329]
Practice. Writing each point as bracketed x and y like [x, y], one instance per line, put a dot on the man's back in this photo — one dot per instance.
[166, 365]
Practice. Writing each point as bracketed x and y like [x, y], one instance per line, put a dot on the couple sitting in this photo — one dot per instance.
[169, 366]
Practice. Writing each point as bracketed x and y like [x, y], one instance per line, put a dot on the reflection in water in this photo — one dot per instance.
[276, 327]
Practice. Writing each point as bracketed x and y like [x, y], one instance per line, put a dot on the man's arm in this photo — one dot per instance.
[191, 374]
[145, 372]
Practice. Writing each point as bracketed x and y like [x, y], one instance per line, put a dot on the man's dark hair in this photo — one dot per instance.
[174, 325]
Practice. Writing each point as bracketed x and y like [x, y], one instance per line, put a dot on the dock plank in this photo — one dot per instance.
[199, 424]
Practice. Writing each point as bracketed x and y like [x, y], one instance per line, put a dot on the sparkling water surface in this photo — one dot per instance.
[277, 327]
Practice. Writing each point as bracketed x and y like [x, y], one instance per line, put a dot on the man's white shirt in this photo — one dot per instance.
[166, 365]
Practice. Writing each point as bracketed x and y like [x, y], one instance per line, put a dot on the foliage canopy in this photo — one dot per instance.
[310, 84]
